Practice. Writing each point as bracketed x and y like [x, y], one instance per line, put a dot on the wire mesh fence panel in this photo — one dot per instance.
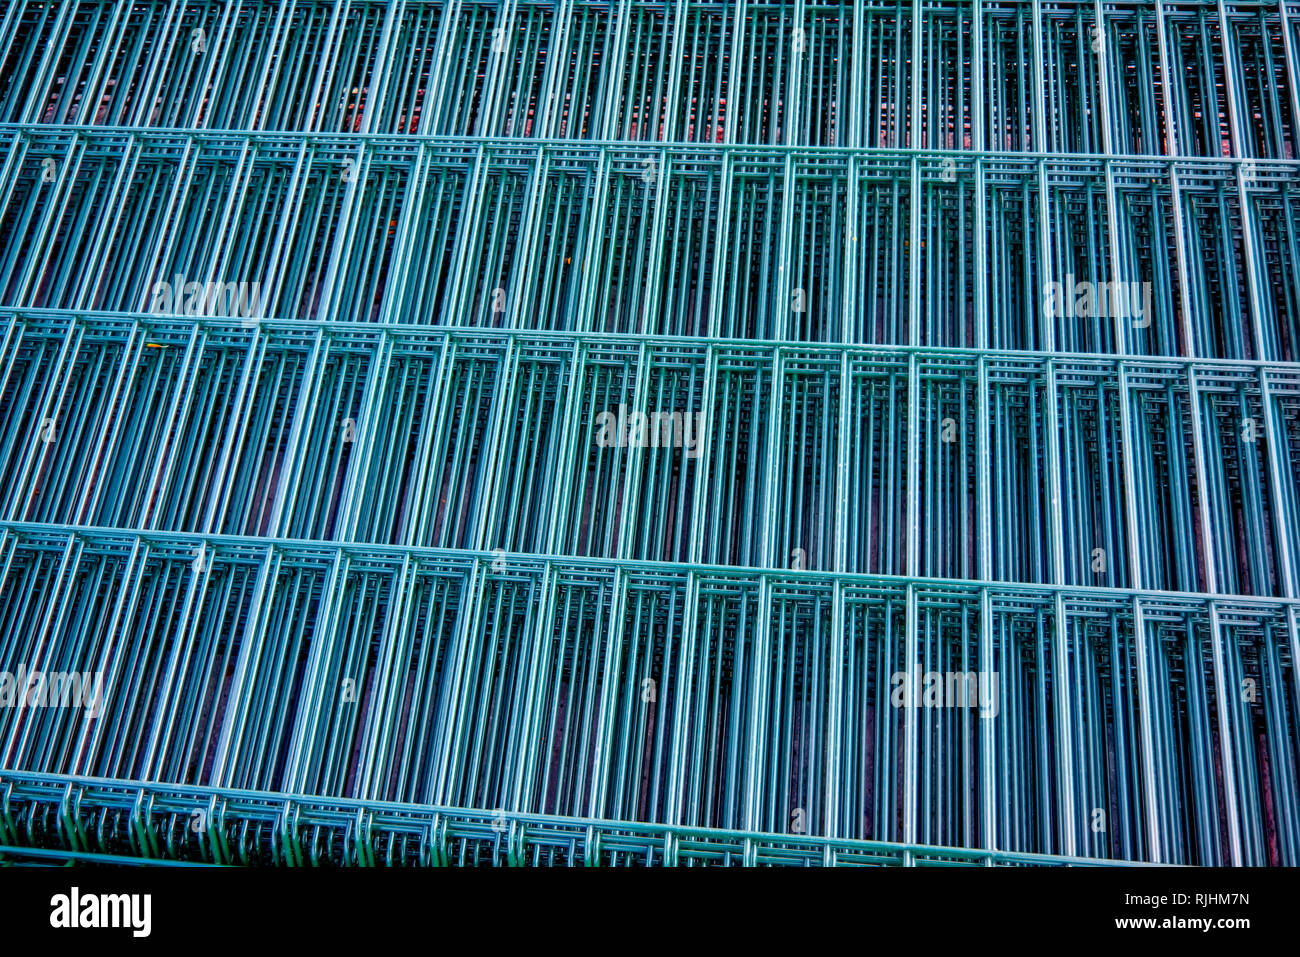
[635, 433]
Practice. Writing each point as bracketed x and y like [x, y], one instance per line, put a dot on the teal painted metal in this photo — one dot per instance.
[158, 823]
[348, 531]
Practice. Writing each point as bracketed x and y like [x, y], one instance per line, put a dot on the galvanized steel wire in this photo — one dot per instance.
[362, 583]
